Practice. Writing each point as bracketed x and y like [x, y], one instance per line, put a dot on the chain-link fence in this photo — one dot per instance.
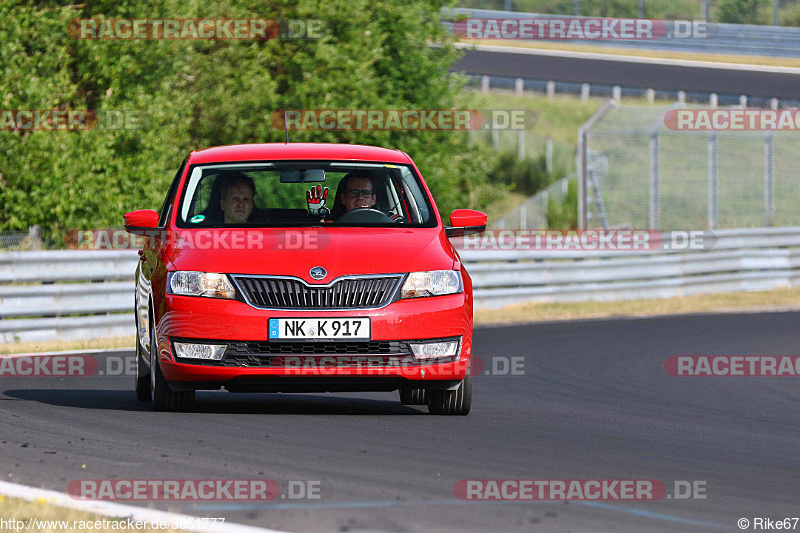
[637, 172]
[22, 240]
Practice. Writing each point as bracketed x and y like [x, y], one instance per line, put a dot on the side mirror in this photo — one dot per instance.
[141, 222]
[465, 222]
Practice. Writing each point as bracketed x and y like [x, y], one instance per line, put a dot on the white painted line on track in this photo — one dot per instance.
[71, 352]
[119, 510]
[627, 59]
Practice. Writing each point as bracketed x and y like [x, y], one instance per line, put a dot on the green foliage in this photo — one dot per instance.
[563, 214]
[193, 94]
[743, 11]
[527, 176]
[790, 15]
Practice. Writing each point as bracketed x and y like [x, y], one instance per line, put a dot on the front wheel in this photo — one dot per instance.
[142, 375]
[162, 397]
[451, 402]
[413, 396]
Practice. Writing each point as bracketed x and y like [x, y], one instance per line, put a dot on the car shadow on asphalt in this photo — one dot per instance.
[220, 402]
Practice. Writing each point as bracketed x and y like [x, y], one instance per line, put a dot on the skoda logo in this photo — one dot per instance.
[318, 273]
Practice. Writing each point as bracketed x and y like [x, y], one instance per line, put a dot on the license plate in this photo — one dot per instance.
[319, 328]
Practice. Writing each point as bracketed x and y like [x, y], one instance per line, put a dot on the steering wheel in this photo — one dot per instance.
[364, 215]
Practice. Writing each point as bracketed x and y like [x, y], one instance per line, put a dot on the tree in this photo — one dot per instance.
[743, 11]
[191, 94]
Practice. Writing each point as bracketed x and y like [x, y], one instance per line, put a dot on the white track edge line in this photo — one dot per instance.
[119, 510]
[70, 352]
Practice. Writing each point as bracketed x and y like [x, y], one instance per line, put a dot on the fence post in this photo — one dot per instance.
[655, 199]
[521, 145]
[769, 177]
[545, 205]
[34, 238]
[548, 155]
[713, 183]
[523, 216]
[581, 163]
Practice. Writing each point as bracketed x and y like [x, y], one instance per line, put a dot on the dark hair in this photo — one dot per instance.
[233, 179]
[338, 208]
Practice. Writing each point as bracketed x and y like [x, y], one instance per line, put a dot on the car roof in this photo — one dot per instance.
[294, 151]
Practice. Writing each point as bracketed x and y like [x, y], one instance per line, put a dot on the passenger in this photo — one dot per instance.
[236, 199]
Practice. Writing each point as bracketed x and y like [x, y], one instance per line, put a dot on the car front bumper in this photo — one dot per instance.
[229, 321]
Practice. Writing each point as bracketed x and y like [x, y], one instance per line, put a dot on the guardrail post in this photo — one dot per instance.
[485, 84]
[655, 199]
[585, 90]
[523, 216]
[682, 97]
[548, 155]
[713, 183]
[651, 96]
[743, 100]
[616, 93]
[773, 103]
[713, 100]
[551, 89]
[521, 145]
[519, 86]
[769, 178]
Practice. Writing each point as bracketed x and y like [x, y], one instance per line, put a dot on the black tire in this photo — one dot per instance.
[451, 402]
[162, 397]
[142, 374]
[410, 396]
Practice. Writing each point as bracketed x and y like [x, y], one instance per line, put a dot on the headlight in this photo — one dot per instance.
[200, 284]
[433, 283]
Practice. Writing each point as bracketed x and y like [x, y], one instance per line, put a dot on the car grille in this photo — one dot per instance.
[261, 354]
[292, 293]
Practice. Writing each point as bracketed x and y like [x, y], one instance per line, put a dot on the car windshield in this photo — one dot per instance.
[277, 194]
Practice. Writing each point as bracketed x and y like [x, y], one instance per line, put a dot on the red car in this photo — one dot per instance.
[302, 268]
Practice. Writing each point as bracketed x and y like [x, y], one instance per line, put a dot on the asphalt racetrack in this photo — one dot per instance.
[627, 74]
[591, 400]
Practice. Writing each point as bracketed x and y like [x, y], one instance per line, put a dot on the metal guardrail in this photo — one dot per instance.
[740, 39]
[86, 294]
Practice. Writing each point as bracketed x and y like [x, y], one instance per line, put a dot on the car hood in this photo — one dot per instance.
[295, 251]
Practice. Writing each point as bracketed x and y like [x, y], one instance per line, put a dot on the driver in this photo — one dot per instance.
[358, 190]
